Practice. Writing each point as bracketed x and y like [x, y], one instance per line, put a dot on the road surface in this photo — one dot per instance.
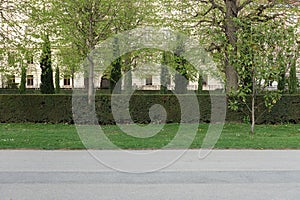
[223, 174]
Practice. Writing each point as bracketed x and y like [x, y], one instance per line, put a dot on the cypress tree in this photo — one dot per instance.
[127, 71]
[116, 73]
[200, 86]
[23, 80]
[57, 86]
[293, 81]
[47, 86]
[281, 82]
[181, 77]
[164, 75]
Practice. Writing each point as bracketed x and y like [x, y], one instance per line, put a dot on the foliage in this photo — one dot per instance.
[200, 84]
[23, 80]
[293, 80]
[281, 86]
[115, 76]
[58, 109]
[214, 23]
[181, 66]
[46, 86]
[57, 80]
[259, 61]
[164, 74]
[127, 71]
[11, 34]
[116, 72]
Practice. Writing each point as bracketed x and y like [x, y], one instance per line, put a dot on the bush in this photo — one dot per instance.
[36, 108]
[58, 109]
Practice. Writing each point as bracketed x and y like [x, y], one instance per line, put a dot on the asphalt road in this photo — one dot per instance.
[223, 174]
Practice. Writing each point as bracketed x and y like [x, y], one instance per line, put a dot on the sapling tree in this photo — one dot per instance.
[259, 48]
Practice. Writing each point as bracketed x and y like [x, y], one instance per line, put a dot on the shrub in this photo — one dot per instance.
[58, 109]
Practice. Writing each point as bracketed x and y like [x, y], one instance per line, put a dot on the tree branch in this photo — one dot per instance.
[265, 18]
[215, 5]
[263, 7]
[213, 46]
[247, 2]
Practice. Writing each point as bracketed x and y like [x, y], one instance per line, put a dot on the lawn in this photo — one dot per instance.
[63, 136]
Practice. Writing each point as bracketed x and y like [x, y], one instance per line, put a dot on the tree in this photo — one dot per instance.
[57, 80]
[23, 80]
[293, 80]
[10, 31]
[214, 22]
[128, 62]
[46, 86]
[181, 77]
[260, 48]
[14, 34]
[282, 79]
[82, 24]
[225, 29]
[116, 71]
[164, 75]
[128, 15]
[200, 84]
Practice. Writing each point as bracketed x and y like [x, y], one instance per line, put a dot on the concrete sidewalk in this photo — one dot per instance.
[88, 161]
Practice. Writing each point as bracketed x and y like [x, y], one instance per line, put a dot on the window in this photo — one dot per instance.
[149, 80]
[11, 79]
[11, 82]
[67, 81]
[105, 83]
[204, 80]
[30, 80]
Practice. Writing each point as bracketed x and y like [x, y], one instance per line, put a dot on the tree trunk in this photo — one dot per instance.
[252, 114]
[128, 76]
[73, 78]
[181, 84]
[91, 45]
[200, 84]
[230, 31]
[91, 81]
[253, 96]
[231, 78]
[73, 82]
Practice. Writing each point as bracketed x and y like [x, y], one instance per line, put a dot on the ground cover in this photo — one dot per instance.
[65, 136]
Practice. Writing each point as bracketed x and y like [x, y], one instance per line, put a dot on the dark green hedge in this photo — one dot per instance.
[36, 108]
[58, 109]
[69, 91]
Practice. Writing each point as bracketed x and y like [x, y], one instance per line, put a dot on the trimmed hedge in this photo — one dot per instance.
[36, 108]
[58, 109]
[98, 91]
